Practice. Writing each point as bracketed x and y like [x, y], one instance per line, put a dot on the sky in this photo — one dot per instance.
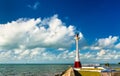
[42, 31]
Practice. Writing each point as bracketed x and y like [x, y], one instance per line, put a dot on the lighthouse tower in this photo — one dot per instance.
[77, 63]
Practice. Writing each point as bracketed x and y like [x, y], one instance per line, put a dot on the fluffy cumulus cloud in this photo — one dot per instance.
[30, 39]
[104, 50]
[32, 33]
[107, 42]
[49, 40]
[117, 46]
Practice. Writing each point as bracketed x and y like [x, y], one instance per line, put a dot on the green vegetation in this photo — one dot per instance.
[91, 69]
[107, 64]
[89, 73]
[119, 63]
[118, 69]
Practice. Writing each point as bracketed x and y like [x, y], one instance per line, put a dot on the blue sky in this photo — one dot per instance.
[42, 31]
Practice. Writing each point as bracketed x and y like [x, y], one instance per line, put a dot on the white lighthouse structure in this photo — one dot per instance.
[77, 63]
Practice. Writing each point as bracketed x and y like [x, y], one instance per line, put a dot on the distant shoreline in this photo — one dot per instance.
[40, 63]
[58, 63]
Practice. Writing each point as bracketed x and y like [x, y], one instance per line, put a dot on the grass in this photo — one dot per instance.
[118, 69]
[91, 69]
[89, 73]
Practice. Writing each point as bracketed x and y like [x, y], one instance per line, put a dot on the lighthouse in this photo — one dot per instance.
[77, 63]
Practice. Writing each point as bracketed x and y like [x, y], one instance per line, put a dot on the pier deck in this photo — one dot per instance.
[89, 72]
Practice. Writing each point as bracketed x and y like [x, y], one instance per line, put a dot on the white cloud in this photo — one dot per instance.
[63, 55]
[93, 47]
[31, 33]
[17, 51]
[109, 55]
[14, 34]
[29, 39]
[35, 6]
[34, 52]
[4, 54]
[107, 42]
[61, 49]
[42, 55]
[102, 52]
[102, 56]
[23, 54]
[104, 43]
[117, 46]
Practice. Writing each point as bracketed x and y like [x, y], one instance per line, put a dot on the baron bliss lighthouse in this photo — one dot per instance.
[77, 63]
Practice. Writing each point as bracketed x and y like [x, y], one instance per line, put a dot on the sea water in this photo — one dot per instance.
[32, 69]
[35, 69]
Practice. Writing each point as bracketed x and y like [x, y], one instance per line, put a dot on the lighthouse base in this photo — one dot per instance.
[77, 64]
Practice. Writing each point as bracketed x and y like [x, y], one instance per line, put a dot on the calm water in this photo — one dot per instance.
[34, 69]
[31, 69]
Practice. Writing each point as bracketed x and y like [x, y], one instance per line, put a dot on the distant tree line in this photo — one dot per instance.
[107, 64]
